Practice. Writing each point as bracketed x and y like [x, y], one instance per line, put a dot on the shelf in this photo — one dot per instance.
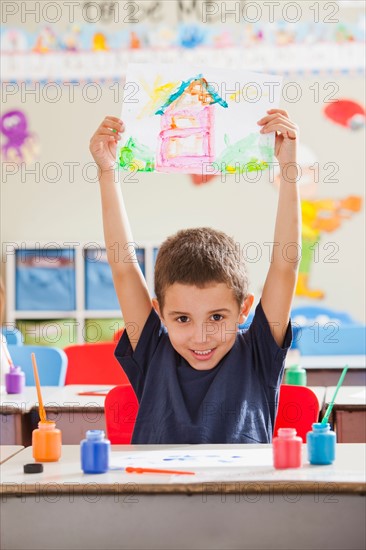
[45, 315]
[87, 314]
[83, 317]
[105, 314]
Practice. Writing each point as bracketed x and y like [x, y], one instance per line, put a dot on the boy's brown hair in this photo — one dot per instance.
[198, 257]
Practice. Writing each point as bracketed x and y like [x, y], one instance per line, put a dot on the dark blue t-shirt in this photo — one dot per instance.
[235, 402]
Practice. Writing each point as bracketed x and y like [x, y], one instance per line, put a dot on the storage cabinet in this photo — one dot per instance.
[63, 294]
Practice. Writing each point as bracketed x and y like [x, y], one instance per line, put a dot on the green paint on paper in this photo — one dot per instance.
[136, 156]
[243, 155]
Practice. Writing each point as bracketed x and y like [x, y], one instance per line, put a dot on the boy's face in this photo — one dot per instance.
[202, 322]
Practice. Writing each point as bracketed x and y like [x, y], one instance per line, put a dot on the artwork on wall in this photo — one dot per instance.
[20, 145]
[347, 113]
[319, 216]
[199, 179]
[80, 36]
[180, 119]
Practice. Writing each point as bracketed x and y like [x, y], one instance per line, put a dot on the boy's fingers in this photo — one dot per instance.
[117, 121]
[281, 111]
[107, 132]
[114, 118]
[279, 120]
[280, 128]
[101, 139]
[274, 116]
[111, 126]
[281, 124]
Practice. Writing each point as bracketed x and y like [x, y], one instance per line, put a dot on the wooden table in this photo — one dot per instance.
[7, 451]
[220, 507]
[15, 425]
[73, 413]
[349, 413]
[325, 370]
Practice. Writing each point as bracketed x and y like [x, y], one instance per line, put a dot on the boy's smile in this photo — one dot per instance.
[202, 322]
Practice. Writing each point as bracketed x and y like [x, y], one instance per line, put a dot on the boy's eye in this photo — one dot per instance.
[182, 319]
[217, 317]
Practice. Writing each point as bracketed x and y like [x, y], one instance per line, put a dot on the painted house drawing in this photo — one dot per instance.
[182, 125]
[187, 137]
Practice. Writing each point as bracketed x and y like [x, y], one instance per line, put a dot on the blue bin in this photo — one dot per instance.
[45, 280]
[155, 255]
[99, 288]
[248, 322]
[332, 339]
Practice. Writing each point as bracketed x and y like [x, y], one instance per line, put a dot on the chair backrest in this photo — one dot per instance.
[248, 321]
[94, 364]
[12, 335]
[117, 335]
[120, 410]
[298, 407]
[51, 363]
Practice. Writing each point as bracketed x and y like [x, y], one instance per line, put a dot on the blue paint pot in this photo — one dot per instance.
[95, 451]
[321, 443]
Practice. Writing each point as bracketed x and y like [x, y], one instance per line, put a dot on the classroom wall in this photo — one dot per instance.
[36, 209]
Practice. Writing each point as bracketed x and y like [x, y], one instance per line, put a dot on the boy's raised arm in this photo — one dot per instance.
[280, 283]
[129, 282]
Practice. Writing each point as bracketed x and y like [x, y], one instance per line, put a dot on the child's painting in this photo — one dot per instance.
[195, 121]
[186, 457]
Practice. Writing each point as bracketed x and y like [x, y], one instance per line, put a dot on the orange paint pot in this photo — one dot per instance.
[46, 442]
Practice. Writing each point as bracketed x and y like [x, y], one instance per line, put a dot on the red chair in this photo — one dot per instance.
[120, 410]
[94, 364]
[117, 335]
[298, 407]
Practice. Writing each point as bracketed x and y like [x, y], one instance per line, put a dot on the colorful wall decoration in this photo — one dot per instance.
[320, 216]
[347, 113]
[92, 37]
[57, 53]
[20, 145]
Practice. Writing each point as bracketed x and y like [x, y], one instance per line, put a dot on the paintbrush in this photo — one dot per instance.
[7, 354]
[42, 412]
[331, 404]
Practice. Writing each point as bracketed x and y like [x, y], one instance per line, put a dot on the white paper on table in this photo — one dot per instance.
[196, 458]
[229, 127]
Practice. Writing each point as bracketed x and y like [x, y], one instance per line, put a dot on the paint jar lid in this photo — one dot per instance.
[48, 425]
[95, 434]
[286, 433]
[296, 368]
[15, 370]
[33, 468]
[319, 427]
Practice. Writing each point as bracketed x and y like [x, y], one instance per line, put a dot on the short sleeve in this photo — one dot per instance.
[269, 357]
[136, 363]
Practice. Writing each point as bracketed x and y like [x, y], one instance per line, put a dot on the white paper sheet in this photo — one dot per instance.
[187, 458]
[196, 120]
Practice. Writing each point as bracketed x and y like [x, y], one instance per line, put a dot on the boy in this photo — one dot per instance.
[197, 378]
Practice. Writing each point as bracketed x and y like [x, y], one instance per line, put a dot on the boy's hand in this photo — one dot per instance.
[287, 133]
[103, 144]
